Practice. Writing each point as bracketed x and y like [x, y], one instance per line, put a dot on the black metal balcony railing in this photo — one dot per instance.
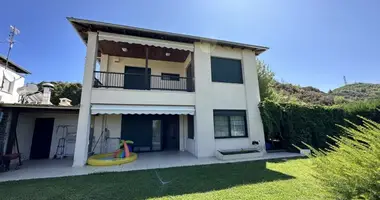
[140, 82]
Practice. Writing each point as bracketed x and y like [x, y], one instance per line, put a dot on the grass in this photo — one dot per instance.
[278, 179]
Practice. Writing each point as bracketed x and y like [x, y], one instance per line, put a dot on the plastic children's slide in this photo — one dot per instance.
[121, 156]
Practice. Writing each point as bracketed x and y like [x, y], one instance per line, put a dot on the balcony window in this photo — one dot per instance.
[169, 77]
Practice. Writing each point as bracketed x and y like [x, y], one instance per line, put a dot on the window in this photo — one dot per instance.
[226, 70]
[230, 123]
[190, 126]
[6, 85]
[169, 77]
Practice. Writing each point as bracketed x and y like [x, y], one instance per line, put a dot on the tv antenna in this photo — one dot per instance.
[345, 80]
[14, 31]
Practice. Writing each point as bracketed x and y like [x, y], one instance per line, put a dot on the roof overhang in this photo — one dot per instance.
[83, 26]
[13, 66]
[139, 110]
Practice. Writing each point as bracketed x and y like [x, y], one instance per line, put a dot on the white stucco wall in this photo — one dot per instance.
[157, 66]
[141, 97]
[204, 102]
[232, 143]
[182, 132]
[25, 130]
[255, 125]
[113, 124]
[188, 144]
[228, 96]
[11, 96]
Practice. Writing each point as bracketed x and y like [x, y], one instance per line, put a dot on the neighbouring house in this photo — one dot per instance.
[166, 92]
[11, 78]
[30, 126]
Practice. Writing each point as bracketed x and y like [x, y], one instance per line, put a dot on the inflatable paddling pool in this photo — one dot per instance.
[108, 159]
[120, 156]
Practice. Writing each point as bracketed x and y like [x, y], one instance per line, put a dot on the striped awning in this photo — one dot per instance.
[139, 110]
[145, 41]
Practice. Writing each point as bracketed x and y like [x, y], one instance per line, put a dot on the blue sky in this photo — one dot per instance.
[312, 43]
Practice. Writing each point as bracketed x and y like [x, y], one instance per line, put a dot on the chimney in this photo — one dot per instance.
[64, 102]
[47, 87]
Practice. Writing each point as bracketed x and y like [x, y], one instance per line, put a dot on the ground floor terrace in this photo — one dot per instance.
[46, 140]
[48, 168]
[40, 133]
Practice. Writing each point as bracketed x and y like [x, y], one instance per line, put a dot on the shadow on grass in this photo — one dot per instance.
[282, 160]
[144, 184]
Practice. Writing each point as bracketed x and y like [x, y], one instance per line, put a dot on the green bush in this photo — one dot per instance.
[351, 168]
[294, 123]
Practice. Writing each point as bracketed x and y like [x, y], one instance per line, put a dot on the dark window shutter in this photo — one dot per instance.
[226, 70]
[190, 126]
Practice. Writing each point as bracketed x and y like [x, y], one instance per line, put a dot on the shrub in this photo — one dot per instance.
[351, 169]
[294, 123]
[339, 100]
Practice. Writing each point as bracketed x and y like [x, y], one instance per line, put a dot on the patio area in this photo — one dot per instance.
[34, 169]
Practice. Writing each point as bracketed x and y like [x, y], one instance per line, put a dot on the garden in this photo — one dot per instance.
[344, 164]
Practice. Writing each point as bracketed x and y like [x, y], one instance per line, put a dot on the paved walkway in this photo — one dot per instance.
[35, 169]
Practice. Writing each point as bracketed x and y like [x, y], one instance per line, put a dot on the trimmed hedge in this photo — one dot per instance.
[294, 123]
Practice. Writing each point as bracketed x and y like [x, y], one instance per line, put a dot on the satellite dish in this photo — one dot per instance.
[8, 75]
[27, 89]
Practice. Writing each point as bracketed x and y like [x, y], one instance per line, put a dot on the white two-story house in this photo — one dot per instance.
[166, 91]
[11, 78]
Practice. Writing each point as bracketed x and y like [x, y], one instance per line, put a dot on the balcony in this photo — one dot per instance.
[142, 81]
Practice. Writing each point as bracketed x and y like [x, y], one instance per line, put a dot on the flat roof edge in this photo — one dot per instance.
[16, 105]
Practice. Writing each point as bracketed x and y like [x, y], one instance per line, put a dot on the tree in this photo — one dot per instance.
[68, 90]
[266, 80]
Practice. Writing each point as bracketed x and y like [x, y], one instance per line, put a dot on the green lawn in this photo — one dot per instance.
[277, 179]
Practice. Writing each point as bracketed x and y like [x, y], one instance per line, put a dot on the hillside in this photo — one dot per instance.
[311, 95]
[358, 91]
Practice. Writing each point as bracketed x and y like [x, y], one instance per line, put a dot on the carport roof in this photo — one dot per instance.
[38, 106]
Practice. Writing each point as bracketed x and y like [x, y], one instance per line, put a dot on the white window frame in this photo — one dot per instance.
[9, 85]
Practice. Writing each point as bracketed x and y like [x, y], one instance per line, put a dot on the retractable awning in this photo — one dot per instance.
[148, 110]
[145, 41]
